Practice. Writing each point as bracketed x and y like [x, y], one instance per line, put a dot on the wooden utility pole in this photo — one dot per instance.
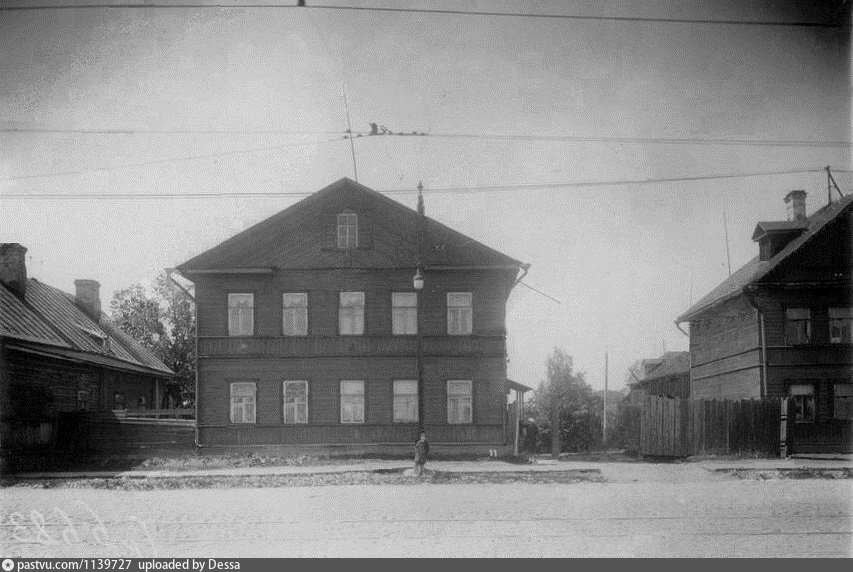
[604, 414]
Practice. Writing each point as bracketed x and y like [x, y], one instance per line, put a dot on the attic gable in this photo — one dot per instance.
[305, 236]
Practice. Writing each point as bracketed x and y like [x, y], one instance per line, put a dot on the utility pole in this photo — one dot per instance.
[728, 257]
[604, 415]
[349, 132]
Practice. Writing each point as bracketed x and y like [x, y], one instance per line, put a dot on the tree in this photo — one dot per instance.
[161, 318]
[565, 402]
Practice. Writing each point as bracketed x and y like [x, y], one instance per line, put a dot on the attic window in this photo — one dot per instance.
[347, 230]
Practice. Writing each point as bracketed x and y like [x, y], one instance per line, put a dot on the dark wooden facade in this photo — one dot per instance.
[741, 343]
[60, 354]
[292, 253]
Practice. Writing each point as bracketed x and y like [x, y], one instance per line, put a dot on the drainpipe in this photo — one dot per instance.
[762, 340]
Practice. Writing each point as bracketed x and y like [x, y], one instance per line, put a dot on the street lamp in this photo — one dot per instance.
[418, 283]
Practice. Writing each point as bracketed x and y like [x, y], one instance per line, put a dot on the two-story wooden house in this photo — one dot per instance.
[312, 331]
[781, 325]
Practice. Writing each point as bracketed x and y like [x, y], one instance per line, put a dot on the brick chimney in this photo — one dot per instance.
[88, 297]
[13, 267]
[795, 201]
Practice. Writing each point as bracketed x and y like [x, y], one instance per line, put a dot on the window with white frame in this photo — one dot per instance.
[294, 313]
[842, 400]
[241, 314]
[405, 401]
[295, 402]
[459, 403]
[351, 313]
[347, 230]
[243, 402]
[404, 313]
[459, 321]
[803, 398]
[352, 401]
[840, 325]
[798, 326]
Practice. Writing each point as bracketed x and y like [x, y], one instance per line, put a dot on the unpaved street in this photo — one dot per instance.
[716, 517]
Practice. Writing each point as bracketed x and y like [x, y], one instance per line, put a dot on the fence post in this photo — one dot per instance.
[783, 429]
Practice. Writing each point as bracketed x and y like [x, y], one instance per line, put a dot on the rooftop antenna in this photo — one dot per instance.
[728, 256]
[349, 133]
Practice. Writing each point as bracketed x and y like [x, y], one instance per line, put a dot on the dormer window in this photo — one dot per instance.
[347, 230]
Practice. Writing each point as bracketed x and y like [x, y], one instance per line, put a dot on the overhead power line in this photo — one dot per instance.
[166, 160]
[460, 190]
[435, 11]
[449, 135]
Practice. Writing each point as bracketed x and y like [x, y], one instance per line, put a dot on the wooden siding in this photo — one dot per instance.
[324, 376]
[725, 352]
[63, 379]
[490, 290]
[337, 346]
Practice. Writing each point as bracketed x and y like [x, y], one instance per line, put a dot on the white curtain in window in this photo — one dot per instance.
[351, 313]
[296, 402]
[352, 402]
[405, 401]
[241, 314]
[295, 315]
[404, 313]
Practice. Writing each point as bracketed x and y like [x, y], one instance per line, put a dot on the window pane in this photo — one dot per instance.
[405, 401]
[241, 314]
[459, 402]
[347, 230]
[242, 402]
[352, 388]
[805, 389]
[404, 313]
[352, 299]
[459, 319]
[295, 316]
[841, 312]
[295, 401]
[351, 313]
[842, 406]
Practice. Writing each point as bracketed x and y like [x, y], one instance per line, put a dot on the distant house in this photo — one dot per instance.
[666, 376]
[781, 325]
[60, 353]
[309, 326]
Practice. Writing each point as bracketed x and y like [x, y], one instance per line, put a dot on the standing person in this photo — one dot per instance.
[421, 453]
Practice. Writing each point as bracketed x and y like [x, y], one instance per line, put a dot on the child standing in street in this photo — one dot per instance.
[421, 453]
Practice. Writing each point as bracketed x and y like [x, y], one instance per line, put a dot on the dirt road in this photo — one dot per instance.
[718, 517]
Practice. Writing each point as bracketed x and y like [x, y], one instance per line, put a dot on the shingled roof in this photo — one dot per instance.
[756, 269]
[49, 318]
[295, 238]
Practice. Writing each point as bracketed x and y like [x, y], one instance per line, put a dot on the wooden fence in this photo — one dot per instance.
[683, 427]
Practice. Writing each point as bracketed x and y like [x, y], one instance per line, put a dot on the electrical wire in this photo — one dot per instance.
[166, 160]
[459, 190]
[434, 11]
[449, 135]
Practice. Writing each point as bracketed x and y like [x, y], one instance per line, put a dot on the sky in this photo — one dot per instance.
[250, 100]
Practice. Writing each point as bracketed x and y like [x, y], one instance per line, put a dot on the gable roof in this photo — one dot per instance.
[672, 363]
[778, 226]
[756, 269]
[49, 317]
[294, 238]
